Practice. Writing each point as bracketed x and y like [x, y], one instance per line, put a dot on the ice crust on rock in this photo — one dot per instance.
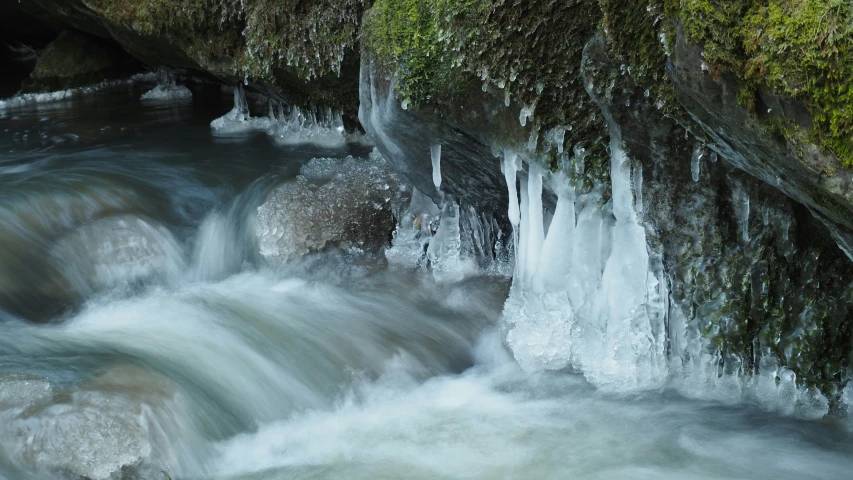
[342, 202]
[34, 98]
[168, 93]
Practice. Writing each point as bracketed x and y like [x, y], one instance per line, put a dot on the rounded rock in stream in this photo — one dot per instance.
[334, 202]
[112, 427]
[115, 250]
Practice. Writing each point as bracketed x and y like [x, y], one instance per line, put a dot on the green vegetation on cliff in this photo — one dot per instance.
[802, 49]
[529, 53]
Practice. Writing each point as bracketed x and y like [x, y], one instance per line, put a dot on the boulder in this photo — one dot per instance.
[334, 203]
[75, 59]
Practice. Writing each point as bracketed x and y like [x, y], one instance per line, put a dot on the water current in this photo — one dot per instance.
[144, 335]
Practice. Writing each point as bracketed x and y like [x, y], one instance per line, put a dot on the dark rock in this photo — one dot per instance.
[75, 59]
[470, 171]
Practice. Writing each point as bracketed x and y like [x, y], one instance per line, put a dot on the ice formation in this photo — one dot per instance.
[583, 294]
[167, 93]
[321, 128]
[335, 202]
[695, 160]
[33, 98]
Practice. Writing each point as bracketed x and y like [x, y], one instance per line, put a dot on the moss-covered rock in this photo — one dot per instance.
[75, 59]
[802, 50]
[757, 284]
[302, 51]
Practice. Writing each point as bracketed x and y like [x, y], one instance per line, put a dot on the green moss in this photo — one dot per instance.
[802, 49]
[527, 53]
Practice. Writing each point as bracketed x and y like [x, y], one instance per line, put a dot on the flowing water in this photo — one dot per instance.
[142, 335]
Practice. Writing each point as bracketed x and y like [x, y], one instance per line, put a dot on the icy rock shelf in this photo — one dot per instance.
[291, 127]
[36, 98]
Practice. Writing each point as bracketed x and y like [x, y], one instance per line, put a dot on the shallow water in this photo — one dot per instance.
[207, 361]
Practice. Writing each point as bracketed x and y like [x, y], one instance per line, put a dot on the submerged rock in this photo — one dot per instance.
[110, 428]
[113, 251]
[335, 202]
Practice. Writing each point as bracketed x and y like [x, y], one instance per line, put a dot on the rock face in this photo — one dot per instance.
[341, 203]
[800, 170]
[469, 169]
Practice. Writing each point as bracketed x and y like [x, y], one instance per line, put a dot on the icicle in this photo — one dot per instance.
[559, 139]
[435, 153]
[510, 168]
[638, 187]
[555, 259]
[522, 237]
[713, 157]
[580, 156]
[745, 214]
[694, 162]
[526, 112]
[241, 106]
[535, 228]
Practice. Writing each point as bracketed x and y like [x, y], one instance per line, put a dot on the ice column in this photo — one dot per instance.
[583, 294]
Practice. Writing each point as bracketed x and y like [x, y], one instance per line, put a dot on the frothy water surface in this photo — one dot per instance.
[142, 335]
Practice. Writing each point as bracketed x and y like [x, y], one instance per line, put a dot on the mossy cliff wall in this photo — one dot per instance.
[673, 77]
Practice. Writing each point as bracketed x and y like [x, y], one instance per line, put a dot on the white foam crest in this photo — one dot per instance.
[494, 421]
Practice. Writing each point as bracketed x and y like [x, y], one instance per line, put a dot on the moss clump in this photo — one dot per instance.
[802, 49]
